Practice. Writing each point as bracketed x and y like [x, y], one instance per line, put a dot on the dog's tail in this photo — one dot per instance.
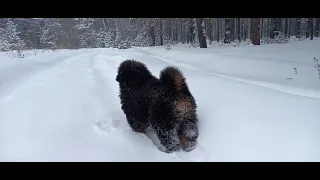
[174, 78]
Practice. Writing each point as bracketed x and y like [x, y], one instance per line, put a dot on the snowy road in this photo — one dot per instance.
[70, 111]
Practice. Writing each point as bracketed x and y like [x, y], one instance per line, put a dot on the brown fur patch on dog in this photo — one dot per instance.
[183, 140]
[178, 80]
[183, 108]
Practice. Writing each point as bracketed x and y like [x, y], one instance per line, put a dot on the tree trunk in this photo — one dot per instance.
[169, 30]
[209, 33]
[213, 28]
[298, 29]
[268, 27]
[174, 32]
[317, 27]
[274, 28]
[152, 35]
[191, 30]
[245, 29]
[308, 28]
[242, 29]
[187, 31]
[261, 27]
[286, 27]
[255, 31]
[289, 28]
[201, 36]
[232, 29]
[249, 28]
[218, 30]
[311, 28]
[238, 29]
[280, 25]
[177, 32]
[227, 36]
[181, 31]
[161, 34]
[104, 24]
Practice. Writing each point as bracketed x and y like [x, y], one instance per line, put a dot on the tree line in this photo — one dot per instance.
[74, 33]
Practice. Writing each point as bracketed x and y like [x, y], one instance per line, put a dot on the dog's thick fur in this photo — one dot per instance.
[164, 104]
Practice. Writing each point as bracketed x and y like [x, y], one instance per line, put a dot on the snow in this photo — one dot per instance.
[64, 105]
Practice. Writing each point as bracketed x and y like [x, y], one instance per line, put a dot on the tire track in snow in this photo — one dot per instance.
[308, 93]
[35, 71]
[114, 119]
[39, 121]
[276, 87]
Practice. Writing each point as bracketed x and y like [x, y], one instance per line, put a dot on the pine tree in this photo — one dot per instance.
[103, 39]
[317, 27]
[143, 37]
[152, 34]
[50, 33]
[209, 30]
[298, 29]
[11, 37]
[190, 31]
[4, 45]
[201, 34]
[286, 26]
[274, 31]
[311, 28]
[227, 36]
[255, 31]
[290, 27]
[161, 32]
[86, 32]
[238, 29]
[218, 30]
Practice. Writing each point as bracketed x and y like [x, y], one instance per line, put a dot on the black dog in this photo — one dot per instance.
[164, 104]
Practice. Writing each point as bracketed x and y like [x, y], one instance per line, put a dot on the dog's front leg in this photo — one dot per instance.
[169, 139]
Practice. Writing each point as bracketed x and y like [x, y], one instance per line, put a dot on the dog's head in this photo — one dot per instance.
[131, 72]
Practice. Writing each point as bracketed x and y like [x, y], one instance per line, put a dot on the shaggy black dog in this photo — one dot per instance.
[165, 104]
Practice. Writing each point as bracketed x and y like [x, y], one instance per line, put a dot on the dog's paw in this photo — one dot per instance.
[173, 148]
[170, 149]
[139, 130]
[191, 146]
[163, 149]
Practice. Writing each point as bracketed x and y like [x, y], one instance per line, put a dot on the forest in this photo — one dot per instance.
[75, 33]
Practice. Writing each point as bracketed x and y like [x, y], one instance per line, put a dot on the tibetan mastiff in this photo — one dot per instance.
[165, 104]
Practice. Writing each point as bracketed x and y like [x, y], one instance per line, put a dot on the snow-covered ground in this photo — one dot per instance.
[252, 104]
